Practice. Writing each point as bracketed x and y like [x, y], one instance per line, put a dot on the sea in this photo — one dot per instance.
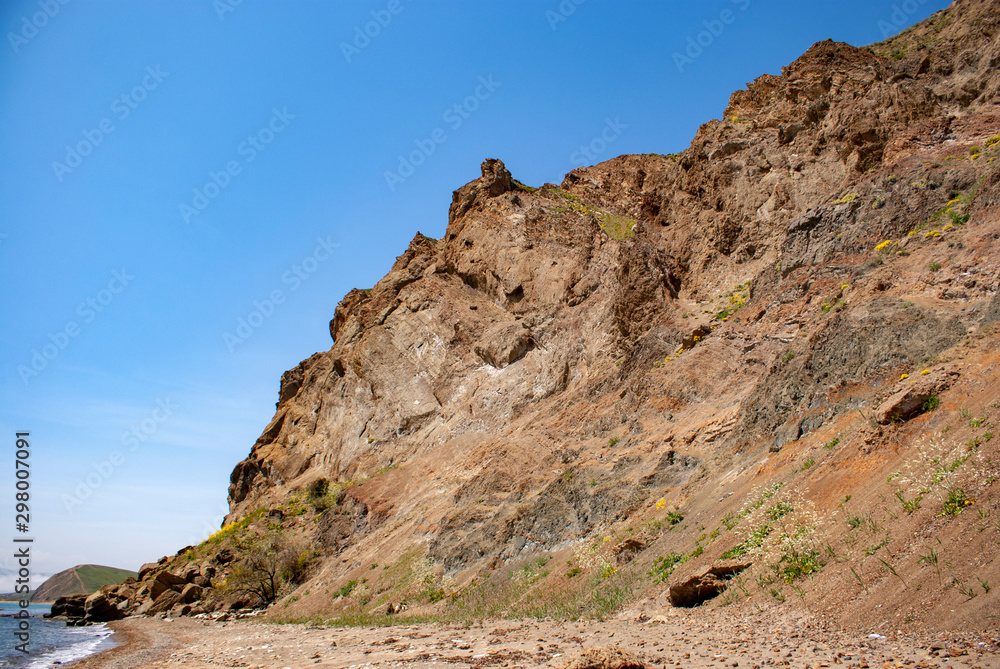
[51, 643]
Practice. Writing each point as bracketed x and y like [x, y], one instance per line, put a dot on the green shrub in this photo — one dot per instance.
[674, 517]
[909, 505]
[796, 564]
[755, 540]
[780, 509]
[955, 502]
[347, 589]
[663, 566]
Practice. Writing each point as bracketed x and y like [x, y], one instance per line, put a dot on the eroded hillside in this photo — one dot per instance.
[773, 355]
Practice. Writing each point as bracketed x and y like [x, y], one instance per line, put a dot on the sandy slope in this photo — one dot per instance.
[735, 637]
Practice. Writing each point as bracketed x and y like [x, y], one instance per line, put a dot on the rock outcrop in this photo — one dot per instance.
[612, 369]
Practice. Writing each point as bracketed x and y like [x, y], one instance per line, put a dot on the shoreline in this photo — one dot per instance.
[134, 646]
[716, 639]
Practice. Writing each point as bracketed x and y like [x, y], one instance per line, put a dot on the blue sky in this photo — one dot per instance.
[188, 189]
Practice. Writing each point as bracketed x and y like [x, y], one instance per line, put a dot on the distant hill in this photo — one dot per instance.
[84, 578]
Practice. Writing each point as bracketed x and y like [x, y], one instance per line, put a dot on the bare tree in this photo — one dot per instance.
[264, 558]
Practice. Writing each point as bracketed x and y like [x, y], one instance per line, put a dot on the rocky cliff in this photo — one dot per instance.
[768, 360]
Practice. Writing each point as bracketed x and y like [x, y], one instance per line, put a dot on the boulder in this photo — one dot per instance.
[147, 570]
[165, 602]
[99, 609]
[191, 593]
[224, 556]
[172, 581]
[191, 572]
[156, 588]
[70, 606]
[911, 396]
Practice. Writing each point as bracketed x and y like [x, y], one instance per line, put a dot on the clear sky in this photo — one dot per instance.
[187, 189]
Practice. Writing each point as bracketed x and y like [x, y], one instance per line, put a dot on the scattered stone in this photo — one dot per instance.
[603, 657]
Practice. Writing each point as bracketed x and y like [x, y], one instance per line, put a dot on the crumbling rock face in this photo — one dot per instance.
[798, 395]
[565, 508]
[992, 314]
[671, 470]
[564, 357]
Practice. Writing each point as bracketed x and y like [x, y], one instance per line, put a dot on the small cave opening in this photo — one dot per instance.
[707, 585]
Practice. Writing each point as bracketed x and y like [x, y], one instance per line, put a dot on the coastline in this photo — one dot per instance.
[136, 645]
[718, 639]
